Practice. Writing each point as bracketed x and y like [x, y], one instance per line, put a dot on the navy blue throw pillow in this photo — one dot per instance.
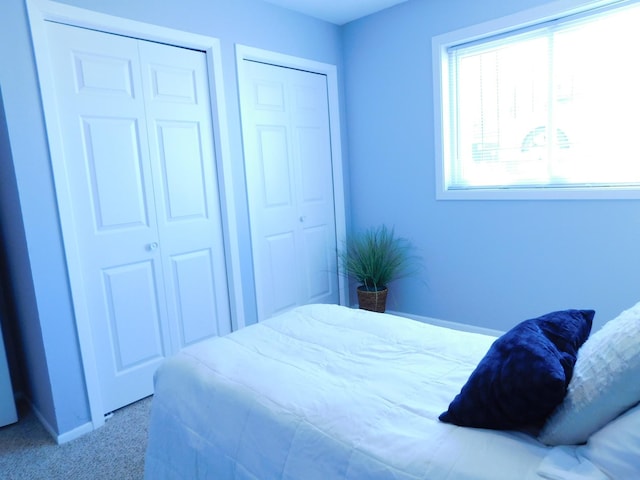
[524, 375]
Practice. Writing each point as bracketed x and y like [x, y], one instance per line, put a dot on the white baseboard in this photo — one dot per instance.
[62, 437]
[75, 433]
[446, 323]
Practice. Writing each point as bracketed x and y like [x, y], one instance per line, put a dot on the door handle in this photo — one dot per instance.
[153, 246]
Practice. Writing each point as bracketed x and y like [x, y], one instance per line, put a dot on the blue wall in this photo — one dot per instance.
[47, 339]
[47, 342]
[488, 263]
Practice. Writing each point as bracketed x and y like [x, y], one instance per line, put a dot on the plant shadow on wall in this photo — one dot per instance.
[374, 258]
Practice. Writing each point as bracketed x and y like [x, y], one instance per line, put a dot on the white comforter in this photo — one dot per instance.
[326, 392]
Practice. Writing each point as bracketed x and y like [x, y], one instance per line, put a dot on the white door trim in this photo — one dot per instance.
[41, 11]
[244, 52]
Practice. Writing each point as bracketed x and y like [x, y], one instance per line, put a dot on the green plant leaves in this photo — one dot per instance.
[375, 257]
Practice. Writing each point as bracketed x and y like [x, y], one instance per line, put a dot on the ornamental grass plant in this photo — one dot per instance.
[375, 257]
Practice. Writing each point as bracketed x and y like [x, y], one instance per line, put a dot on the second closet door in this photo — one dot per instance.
[136, 129]
[288, 164]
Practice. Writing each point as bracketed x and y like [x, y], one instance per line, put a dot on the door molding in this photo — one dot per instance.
[243, 53]
[42, 11]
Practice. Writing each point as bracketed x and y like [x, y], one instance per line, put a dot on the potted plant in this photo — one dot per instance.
[374, 258]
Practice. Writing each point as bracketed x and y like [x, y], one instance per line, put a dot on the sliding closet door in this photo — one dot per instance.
[288, 164]
[138, 152]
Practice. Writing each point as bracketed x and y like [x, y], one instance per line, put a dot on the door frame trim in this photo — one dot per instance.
[42, 11]
[244, 52]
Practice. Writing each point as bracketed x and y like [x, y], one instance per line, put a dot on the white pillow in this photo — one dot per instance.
[615, 449]
[605, 382]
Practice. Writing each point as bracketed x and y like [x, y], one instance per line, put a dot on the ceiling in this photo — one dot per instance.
[336, 11]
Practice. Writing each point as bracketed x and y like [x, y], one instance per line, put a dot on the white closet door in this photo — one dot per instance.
[135, 170]
[187, 208]
[287, 146]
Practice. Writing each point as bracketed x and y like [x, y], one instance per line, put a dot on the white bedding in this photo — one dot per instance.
[326, 392]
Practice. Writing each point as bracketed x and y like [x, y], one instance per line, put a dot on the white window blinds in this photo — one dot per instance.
[553, 105]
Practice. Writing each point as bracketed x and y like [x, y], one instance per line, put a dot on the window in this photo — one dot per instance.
[547, 109]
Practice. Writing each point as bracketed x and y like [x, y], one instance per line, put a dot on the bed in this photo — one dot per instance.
[329, 392]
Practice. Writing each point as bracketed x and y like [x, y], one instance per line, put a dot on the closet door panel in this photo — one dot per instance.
[181, 146]
[115, 173]
[103, 126]
[133, 313]
[182, 170]
[195, 296]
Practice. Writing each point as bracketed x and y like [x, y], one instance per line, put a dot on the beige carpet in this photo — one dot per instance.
[114, 451]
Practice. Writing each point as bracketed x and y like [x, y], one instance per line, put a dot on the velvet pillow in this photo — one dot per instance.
[524, 375]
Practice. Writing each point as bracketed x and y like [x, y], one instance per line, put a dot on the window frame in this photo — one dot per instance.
[442, 116]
